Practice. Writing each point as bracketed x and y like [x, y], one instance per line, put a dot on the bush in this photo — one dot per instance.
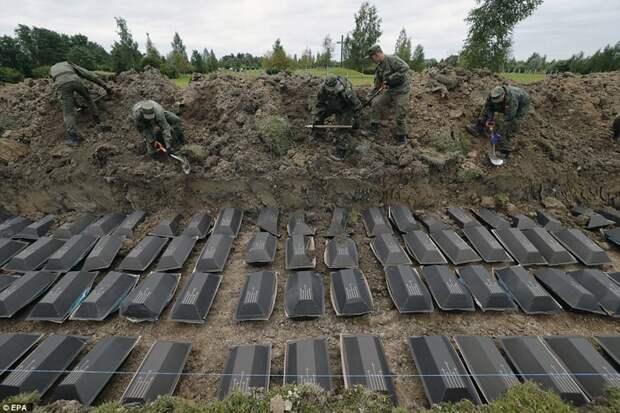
[452, 142]
[276, 133]
[41, 72]
[169, 70]
[150, 60]
[10, 75]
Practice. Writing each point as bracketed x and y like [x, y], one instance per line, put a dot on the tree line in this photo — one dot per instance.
[32, 50]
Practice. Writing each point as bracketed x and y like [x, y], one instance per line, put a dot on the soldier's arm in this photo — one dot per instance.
[88, 75]
[510, 108]
[401, 70]
[487, 111]
[353, 100]
[165, 127]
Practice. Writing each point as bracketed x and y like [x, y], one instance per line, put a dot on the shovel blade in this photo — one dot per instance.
[495, 160]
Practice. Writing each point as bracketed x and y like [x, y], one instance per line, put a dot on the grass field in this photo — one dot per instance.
[357, 78]
[524, 77]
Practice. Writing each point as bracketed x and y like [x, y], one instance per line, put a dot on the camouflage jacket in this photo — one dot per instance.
[65, 72]
[145, 127]
[515, 97]
[395, 72]
[342, 101]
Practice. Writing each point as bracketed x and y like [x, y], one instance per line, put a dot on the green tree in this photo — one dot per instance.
[125, 54]
[178, 56]
[403, 46]
[211, 63]
[489, 37]
[81, 56]
[307, 60]
[11, 55]
[276, 60]
[366, 33]
[417, 60]
[198, 64]
[152, 57]
[324, 59]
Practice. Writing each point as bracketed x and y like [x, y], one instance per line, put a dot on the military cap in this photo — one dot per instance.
[333, 85]
[497, 94]
[374, 49]
[148, 110]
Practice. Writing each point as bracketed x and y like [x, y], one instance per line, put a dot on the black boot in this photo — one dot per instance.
[73, 139]
[374, 129]
[338, 155]
[401, 139]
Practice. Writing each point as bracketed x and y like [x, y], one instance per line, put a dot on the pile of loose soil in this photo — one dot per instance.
[248, 146]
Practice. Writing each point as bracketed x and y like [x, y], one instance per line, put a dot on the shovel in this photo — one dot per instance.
[494, 138]
[329, 126]
[185, 166]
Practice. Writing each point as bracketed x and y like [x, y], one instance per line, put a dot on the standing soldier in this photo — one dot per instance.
[337, 97]
[514, 103]
[391, 77]
[67, 82]
[154, 123]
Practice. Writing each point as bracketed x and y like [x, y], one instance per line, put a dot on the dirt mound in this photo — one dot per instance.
[248, 146]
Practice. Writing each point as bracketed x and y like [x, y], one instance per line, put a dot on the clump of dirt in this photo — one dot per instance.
[248, 146]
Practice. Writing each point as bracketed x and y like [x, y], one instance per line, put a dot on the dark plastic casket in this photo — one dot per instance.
[9, 248]
[433, 222]
[228, 222]
[261, 248]
[194, 302]
[63, 297]
[407, 290]
[71, 228]
[492, 218]
[176, 254]
[71, 253]
[103, 254]
[13, 226]
[215, 253]
[268, 220]
[143, 254]
[159, 372]
[106, 297]
[307, 362]
[423, 249]
[486, 244]
[248, 367]
[299, 251]
[449, 293]
[350, 293]
[105, 225]
[126, 227]
[569, 291]
[168, 227]
[533, 360]
[526, 291]
[338, 223]
[35, 255]
[147, 301]
[375, 222]
[199, 226]
[463, 218]
[95, 369]
[454, 247]
[443, 375]
[606, 291]
[37, 229]
[258, 296]
[364, 363]
[41, 368]
[304, 295]
[485, 289]
[24, 291]
[582, 247]
[402, 218]
[553, 252]
[388, 251]
[489, 368]
[13, 346]
[517, 244]
[297, 225]
[341, 253]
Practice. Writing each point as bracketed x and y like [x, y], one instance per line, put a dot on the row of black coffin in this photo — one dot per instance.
[528, 244]
[60, 256]
[569, 366]
[587, 290]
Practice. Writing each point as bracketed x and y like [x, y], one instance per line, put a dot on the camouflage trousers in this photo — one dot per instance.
[67, 93]
[397, 103]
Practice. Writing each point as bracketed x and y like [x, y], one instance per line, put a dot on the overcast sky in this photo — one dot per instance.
[558, 28]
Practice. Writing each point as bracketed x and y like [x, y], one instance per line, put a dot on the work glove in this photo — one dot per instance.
[394, 79]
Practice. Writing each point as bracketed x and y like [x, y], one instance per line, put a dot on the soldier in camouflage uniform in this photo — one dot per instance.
[337, 97]
[514, 103]
[154, 123]
[392, 75]
[67, 81]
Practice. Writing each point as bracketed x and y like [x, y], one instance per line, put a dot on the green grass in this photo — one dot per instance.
[182, 81]
[524, 78]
